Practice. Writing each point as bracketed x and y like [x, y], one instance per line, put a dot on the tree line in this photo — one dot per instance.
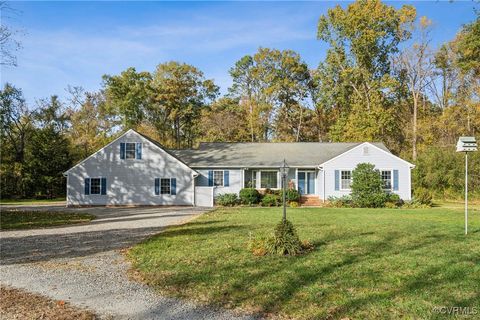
[381, 80]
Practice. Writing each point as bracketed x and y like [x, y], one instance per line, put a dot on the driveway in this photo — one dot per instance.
[114, 228]
[82, 264]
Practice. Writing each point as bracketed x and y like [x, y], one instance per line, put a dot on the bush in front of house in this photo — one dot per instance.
[249, 196]
[340, 202]
[227, 199]
[367, 187]
[271, 200]
[393, 201]
[292, 195]
[422, 196]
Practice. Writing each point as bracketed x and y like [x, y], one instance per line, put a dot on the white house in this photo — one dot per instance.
[136, 170]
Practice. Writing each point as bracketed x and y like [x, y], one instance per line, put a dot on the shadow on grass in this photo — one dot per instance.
[294, 274]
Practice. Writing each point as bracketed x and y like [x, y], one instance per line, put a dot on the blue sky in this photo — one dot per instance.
[75, 43]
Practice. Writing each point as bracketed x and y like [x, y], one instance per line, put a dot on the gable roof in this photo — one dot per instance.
[386, 151]
[157, 144]
[268, 154]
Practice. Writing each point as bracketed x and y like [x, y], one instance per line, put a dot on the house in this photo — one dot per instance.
[136, 170]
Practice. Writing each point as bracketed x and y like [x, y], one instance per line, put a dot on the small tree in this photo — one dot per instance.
[367, 187]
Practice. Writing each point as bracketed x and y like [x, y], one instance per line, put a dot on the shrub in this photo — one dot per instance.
[249, 196]
[293, 204]
[227, 199]
[422, 196]
[271, 200]
[367, 187]
[391, 205]
[285, 240]
[292, 195]
[340, 202]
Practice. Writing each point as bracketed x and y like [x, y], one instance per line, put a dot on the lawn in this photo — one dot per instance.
[367, 263]
[19, 219]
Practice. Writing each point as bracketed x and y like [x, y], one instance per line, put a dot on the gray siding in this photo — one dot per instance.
[379, 158]
[129, 181]
[235, 180]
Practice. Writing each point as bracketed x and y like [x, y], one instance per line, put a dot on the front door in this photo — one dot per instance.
[306, 182]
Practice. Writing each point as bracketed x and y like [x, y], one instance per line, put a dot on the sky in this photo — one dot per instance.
[75, 43]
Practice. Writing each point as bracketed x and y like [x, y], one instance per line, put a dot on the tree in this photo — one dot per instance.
[127, 95]
[468, 42]
[367, 187]
[224, 121]
[180, 92]
[15, 120]
[274, 87]
[90, 124]
[8, 44]
[362, 38]
[16, 129]
[416, 64]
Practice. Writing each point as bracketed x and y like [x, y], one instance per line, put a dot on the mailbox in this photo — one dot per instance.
[466, 144]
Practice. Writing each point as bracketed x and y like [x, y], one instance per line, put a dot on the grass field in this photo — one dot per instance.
[367, 263]
[18, 219]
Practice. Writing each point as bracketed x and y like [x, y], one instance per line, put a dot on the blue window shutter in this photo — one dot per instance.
[173, 186]
[139, 150]
[337, 180]
[210, 178]
[395, 180]
[103, 189]
[87, 186]
[226, 178]
[122, 150]
[157, 186]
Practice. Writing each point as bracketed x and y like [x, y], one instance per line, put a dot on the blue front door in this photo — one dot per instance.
[306, 182]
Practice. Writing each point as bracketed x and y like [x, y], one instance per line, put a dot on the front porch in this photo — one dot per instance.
[305, 180]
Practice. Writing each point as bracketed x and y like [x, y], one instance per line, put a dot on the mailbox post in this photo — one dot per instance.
[466, 144]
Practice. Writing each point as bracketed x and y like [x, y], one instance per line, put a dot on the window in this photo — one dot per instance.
[268, 179]
[345, 179]
[218, 178]
[130, 150]
[387, 179]
[95, 186]
[165, 186]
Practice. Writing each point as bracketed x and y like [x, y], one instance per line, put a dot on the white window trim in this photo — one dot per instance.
[169, 185]
[260, 180]
[391, 178]
[223, 178]
[340, 180]
[90, 186]
[134, 151]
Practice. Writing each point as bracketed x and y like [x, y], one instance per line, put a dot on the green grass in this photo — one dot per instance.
[13, 219]
[367, 263]
[30, 201]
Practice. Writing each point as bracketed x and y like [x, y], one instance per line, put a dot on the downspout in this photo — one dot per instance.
[66, 198]
[195, 175]
[323, 174]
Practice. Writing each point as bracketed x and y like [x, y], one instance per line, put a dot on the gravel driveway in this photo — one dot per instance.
[82, 264]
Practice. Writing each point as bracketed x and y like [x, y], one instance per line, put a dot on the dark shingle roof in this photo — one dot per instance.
[237, 155]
